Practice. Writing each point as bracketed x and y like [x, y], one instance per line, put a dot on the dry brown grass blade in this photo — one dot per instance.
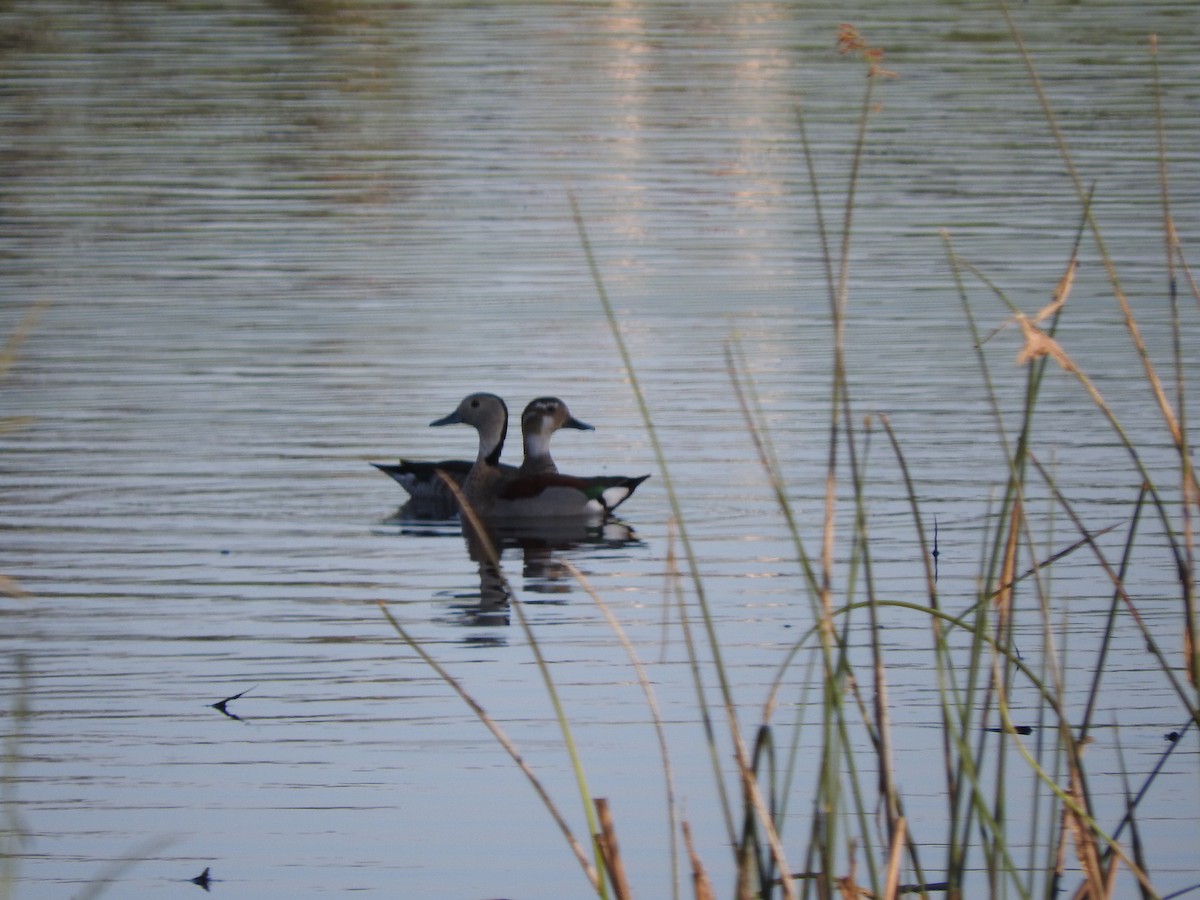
[1039, 344]
[1193, 286]
[1061, 292]
[10, 588]
[1060, 851]
[848, 883]
[1084, 841]
[848, 886]
[1111, 881]
[891, 888]
[753, 796]
[607, 841]
[1058, 555]
[701, 887]
[13, 346]
[8, 355]
[647, 689]
[1189, 652]
[1152, 376]
[504, 741]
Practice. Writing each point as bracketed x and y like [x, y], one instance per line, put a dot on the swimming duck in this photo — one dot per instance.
[542, 417]
[497, 492]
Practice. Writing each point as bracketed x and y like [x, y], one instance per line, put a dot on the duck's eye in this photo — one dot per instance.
[475, 404]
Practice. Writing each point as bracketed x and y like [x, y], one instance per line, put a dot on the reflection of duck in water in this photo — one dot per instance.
[500, 493]
[537, 545]
[542, 543]
[542, 417]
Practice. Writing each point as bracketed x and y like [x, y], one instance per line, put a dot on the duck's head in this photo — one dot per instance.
[488, 415]
[546, 415]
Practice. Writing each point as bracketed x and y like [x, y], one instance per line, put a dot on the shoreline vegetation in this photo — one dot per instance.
[860, 842]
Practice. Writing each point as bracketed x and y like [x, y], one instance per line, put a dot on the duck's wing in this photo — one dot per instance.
[420, 478]
[563, 494]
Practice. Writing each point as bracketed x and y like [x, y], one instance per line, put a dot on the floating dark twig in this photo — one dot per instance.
[203, 879]
[220, 705]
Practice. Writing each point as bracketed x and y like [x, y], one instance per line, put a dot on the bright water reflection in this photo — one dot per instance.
[277, 239]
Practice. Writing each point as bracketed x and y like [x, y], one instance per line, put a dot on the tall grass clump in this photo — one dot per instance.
[858, 840]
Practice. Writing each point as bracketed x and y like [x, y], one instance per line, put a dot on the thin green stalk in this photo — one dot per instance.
[752, 850]
[961, 726]
[791, 766]
[996, 849]
[879, 732]
[1056, 841]
[472, 521]
[1151, 777]
[1174, 423]
[989, 388]
[861, 809]
[1139, 854]
[1012, 521]
[840, 412]
[931, 587]
[1043, 735]
[1080, 811]
[876, 723]
[651, 704]
[749, 785]
[746, 396]
[576, 848]
[1019, 532]
[751, 410]
[564, 725]
[1152, 378]
[710, 735]
[956, 729]
[474, 528]
[660, 458]
[965, 762]
[13, 835]
[1187, 473]
[1049, 655]
[1151, 645]
[824, 835]
[968, 756]
[1111, 621]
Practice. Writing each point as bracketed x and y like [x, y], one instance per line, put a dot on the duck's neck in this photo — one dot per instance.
[537, 446]
[491, 441]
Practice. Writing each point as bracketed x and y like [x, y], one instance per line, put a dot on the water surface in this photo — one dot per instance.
[276, 241]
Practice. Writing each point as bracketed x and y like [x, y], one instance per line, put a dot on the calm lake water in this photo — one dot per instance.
[275, 240]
